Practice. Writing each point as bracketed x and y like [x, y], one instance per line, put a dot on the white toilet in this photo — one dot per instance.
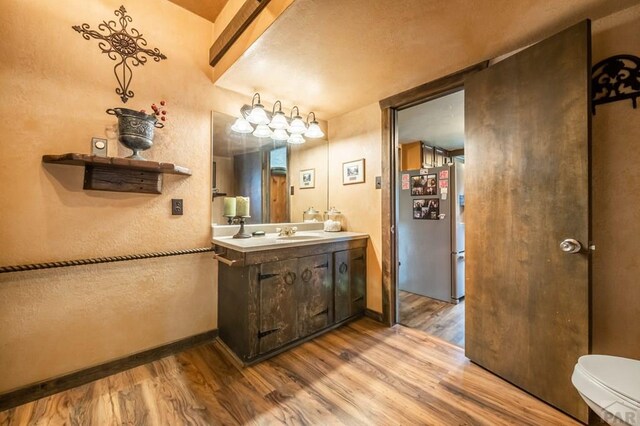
[610, 386]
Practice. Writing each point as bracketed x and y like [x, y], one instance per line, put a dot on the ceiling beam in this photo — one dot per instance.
[246, 14]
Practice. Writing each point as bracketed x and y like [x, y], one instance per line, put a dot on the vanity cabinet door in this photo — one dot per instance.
[315, 304]
[277, 282]
[358, 283]
[341, 276]
[350, 272]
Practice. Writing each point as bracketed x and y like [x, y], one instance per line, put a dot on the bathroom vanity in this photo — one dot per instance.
[275, 292]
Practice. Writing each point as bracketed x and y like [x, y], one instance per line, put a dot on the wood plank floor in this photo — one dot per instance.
[439, 319]
[360, 374]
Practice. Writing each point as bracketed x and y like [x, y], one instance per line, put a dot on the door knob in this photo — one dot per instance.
[570, 246]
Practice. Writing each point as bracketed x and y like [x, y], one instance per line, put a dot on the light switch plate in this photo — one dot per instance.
[99, 147]
[378, 182]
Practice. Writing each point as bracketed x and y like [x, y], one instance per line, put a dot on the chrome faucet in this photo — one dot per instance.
[286, 231]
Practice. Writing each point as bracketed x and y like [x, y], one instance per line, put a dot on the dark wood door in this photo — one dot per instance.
[315, 307]
[277, 282]
[278, 211]
[527, 125]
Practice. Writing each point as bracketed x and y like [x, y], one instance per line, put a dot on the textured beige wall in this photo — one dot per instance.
[55, 88]
[353, 136]
[616, 201]
[311, 155]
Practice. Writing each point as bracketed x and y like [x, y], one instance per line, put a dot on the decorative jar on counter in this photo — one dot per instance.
[333, 220]
[311, 215]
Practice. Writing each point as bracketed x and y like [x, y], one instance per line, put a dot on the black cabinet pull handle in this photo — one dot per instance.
[262, 334]
[306, 275]
[325, 311]
[289, 278]
[343, 268]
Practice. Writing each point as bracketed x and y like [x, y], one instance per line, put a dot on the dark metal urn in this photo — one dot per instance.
[135, 129]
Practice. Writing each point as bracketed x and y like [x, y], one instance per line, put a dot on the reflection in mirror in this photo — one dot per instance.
[268, 172]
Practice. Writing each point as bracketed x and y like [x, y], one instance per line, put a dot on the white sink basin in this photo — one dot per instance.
[299, 237]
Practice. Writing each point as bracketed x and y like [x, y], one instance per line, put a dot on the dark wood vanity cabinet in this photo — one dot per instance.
[266, 307]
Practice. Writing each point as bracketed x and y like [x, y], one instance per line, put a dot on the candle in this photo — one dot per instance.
[242, 206]
[229, 206]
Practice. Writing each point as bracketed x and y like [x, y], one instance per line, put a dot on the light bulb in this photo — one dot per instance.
[279, 121]
[296, 139]
[258, 115]
[280, 135]
[314, 131]
[262, 131]
[242, 126]
[297, 125]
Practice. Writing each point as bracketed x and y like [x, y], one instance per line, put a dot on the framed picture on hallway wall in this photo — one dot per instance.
[353, 172]
[307, 178]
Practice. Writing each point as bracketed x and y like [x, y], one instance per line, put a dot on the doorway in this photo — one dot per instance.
[527, 126]
[430, 217]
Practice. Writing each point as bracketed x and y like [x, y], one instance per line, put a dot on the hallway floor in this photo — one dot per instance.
[439, 319]
[362, 373]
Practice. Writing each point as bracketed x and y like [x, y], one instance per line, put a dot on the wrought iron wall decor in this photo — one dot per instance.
[614, 79]
[129, 48]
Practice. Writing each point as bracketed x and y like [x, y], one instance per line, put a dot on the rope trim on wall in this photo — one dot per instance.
[78, 262]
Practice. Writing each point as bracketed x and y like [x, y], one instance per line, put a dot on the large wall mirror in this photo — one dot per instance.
[282, 180]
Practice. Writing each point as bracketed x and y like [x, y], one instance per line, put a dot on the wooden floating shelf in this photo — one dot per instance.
[119, 174]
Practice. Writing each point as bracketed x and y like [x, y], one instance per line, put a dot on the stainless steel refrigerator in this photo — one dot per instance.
[430, 208]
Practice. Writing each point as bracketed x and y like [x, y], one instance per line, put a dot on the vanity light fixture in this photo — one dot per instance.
[278, 119]
[297, 126]
[257, 115]
[314, 131]
[242, 126]
[284, 129]
[262, 131]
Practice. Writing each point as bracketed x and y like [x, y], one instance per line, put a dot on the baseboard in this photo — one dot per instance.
[373, 315]
[58, 384]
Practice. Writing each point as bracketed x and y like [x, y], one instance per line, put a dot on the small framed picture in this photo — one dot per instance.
[353, 172]
[307, 178]
[418, 185]
[431, 187]
[428, 209]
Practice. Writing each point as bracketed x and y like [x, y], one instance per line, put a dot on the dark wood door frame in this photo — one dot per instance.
[390, 106]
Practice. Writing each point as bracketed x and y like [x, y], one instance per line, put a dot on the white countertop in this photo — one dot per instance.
[273, 241]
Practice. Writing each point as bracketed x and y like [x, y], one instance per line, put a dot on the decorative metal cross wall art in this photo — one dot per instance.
[614, 79]
[129, 48]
